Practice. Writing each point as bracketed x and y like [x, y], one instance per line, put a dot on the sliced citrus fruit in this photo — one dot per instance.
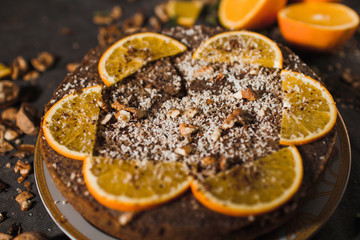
[253, 189]
[128, 185]
[309, 111]
[320, 26]
[244, 14]
[129, 54]
[185, 12]
[69, 126]
[240, 46]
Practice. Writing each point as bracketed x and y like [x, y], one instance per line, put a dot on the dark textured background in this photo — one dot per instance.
[29, 27]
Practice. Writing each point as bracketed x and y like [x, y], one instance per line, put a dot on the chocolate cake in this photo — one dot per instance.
[204, 96]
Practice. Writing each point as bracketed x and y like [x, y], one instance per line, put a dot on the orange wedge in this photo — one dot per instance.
[253, 189]
[319, 26]
[69, 126]
[134, 185]
[131, 53]
[240, 46]
[245, 14]
[309, 111]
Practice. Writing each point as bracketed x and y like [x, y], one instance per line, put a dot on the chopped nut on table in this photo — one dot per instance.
[4, 236]
[24, 200]
[25, 150]
[9, 93]
[9, 114]
[23, 168]
[4, 145]
[11, 134]
[160, 12]
[116, 12]
[19, 67]
[27, 119]
[135, 22]
[43, 61]
[30, 76]
[31, 236]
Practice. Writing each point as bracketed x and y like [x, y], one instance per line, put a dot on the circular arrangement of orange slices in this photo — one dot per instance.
[309, 113]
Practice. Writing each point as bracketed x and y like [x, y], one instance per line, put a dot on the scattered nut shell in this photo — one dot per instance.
[185, 150]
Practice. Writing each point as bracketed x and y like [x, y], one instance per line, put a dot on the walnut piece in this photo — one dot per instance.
[248, 94]
[123, 116]
[27, 119]
[72, 66]
[187, 129]
[174, 113]
[30, 76]
[9, 114]
[43, 61]
[11, 134]
[155, 23]
[160, 12]
[215, 136]
[4, 236]
[135, 22]
[23, 199]
[209, 160]
[116, 12]
[23, 168]
[9, 93]
[19, 67]
[237, 116]
[31, 236]
[185, 150]
[191, 112]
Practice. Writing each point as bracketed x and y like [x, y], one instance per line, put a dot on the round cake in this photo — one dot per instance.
[174, 92]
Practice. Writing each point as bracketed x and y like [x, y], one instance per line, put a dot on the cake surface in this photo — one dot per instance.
[178, 83]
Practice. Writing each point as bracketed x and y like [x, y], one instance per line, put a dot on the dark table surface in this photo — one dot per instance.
[29, 27]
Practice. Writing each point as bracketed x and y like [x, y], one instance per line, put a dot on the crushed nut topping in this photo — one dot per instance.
[187, 129]
[191, 112]
[248, 94]
[23, 199]
[174, 113]
[185, 150]
[237, 116]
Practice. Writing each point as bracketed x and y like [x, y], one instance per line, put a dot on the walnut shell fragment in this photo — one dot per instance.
[28, 119]
[9, 93]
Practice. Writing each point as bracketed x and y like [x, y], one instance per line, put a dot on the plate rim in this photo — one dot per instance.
[333, 202]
